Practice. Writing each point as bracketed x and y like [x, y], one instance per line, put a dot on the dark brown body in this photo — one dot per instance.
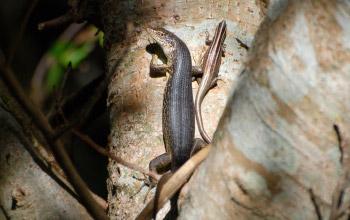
[178, 118]
[178, 108]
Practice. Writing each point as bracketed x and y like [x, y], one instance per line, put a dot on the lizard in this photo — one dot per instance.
[178, 117]
[210, 69]
[176, 52]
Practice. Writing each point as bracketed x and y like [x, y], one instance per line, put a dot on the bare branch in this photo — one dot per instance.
[23, 25]
[63, 19]
[174, 183]
[61, 155]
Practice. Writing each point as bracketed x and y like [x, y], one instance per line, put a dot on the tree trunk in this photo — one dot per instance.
[276, 139]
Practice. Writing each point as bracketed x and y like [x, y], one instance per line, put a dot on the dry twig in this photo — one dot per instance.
[63, 19]
[174, 183]
[61, 155]
[19, 37]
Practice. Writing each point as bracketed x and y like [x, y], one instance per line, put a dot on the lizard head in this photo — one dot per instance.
[164, 38]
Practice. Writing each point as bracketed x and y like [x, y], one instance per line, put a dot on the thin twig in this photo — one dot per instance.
[63, 83]
[19, 37]
[174, 183]
[94, 90]
[40, 154]
[59, 132]
[87, 140]
[59, 151]
[39, 150]
[89, 95]
[63, 19]
[58, 94]
[316, 206]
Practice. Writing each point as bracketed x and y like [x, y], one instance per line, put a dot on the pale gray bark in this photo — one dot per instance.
[276, 138]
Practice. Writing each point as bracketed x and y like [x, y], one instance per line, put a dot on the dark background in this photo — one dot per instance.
[32, 46]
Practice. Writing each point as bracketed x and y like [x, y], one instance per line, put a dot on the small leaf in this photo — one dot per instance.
[101, 38]
[76, 54]
[54, 77]
[58, 48]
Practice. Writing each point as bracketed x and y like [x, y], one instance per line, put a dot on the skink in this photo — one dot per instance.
[210, 69]
[178, 117]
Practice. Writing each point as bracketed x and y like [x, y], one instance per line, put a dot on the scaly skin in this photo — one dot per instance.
[210, 68]
[178, 109]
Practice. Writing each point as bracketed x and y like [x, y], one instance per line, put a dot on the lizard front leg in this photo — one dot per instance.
[160, 70]
[157, 70]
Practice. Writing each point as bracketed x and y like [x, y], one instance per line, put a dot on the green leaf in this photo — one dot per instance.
[64, 52]
[54, 77]
[75, 54]
[101, 38]
[58, 48]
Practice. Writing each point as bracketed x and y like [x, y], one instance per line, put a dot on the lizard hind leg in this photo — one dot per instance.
[197, 73]
[214, 82]
[160, 164]
[207, 39]
[223, 52]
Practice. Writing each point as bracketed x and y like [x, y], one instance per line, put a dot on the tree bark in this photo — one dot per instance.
[276, 138]
[135, 100]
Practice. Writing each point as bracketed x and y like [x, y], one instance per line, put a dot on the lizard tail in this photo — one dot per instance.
[199, 120]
